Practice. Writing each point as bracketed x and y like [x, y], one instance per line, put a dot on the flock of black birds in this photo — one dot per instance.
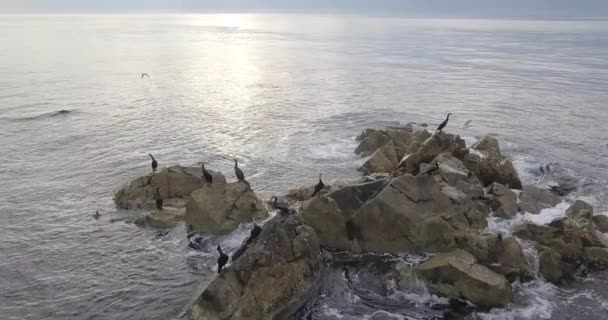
[195, 241]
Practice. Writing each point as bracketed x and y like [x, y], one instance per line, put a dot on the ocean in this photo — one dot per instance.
[286, 94]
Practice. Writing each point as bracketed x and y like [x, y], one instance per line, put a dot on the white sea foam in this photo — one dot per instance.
[546, 216]
[533, 301]
[331, 312]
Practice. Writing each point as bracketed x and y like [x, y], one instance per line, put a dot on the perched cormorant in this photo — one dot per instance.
[221, 260]
[282, 210]
[144, 75]
[444, 123]
[159, 199]
[96, 215]
[154, 163]
[319, 186]
[255, 232]
[238, 172]
[206, 175]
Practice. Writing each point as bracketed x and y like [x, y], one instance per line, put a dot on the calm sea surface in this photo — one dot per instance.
[286, 95]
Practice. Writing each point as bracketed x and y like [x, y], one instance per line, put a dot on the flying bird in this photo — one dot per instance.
[144, 75]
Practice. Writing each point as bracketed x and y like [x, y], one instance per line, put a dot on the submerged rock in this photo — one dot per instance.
[164, 218]
[456, 274]
[272, 278]
[219, 208]
[176, 182]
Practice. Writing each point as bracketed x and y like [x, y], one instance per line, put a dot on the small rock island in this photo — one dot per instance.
[421, 192]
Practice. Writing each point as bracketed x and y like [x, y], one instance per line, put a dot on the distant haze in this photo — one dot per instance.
[443, 8]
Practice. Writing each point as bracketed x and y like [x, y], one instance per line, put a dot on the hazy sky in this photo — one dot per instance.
[506, 8]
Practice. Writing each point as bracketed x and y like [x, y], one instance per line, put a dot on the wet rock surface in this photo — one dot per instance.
[273, 277]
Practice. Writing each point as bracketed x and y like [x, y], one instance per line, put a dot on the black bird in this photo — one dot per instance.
[282, 210]
[158, 199]
[144, 75]
[255, 232]
[96, 215]
[444, 123]
[154, 163]
[221, 260]
[206, 175]
[319, 186]
[238, 172]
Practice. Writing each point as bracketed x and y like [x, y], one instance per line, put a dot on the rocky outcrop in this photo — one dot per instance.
[549, 265]
[331, 215]
[456, 274]
[425, 150]
[596, 258]
[580, 211]
[175, 182]
[566, 244]
[219, 208]
[534, 199]
[383, 160]
[504, 201]
[273, 277]
[409, 214]
[490, 166]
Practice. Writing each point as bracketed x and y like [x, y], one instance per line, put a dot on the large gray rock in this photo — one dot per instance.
[277, 273]
[409, 214]
[383, 160]
[601, 222]
[580, 210]
[596, 257]
[175, 182]
[490, 166]
[504, 201]
[533, 199]
[219, 208]
[550, 265]
[370, 140]
[330, 214]
[424, 150]
[456, 274]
